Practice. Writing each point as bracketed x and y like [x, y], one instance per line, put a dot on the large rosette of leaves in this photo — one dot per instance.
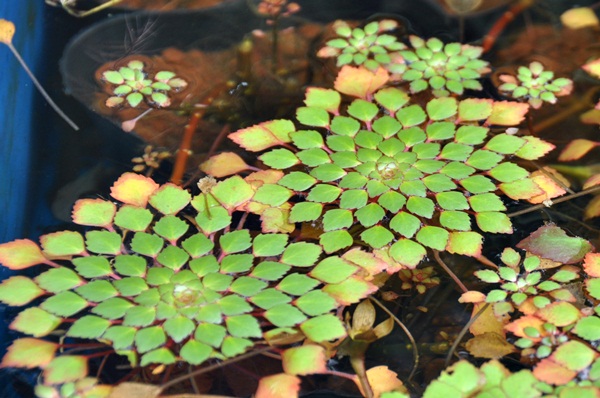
[400, 176]
[161, 277]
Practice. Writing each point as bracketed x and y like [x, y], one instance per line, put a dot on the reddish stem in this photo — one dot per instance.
[490, 39]
[185, 148]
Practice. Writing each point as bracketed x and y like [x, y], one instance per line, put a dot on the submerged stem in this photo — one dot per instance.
[40, 88]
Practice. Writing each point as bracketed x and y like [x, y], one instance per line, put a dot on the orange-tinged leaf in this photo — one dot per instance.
[576, 149]
[550, 372]
[592, 181]
[304, 360]
[579, 18]
[592, 209]
[93, 212]
[278, 386]
[360, 82]
[507, 113]
[7, 31]
[264, 135]
[224, 164]
[472, 296]
[591, 264]
[489, 345]
[560, 313]
[20, 254]
[133, 189]
[382, 379]
[574, 355]
[66, 368]
[593, 68]
[29, 353]
[487, 322]
[259, 178]
[517, 326]
[591, 117]
[548, 181]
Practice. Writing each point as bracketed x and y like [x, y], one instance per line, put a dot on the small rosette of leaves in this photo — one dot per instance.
[155, 286]
[420, 279]
[399, 177]
[535, 85]
[368, 46]
[444, 68]
[132, 86]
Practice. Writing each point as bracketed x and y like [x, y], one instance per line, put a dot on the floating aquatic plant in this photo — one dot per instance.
[445, 68]
[368, 46]
[132, 86]
[535, 85]
[396, 175]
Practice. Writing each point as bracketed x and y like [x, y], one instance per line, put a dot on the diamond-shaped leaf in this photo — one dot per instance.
[407, 252]
[19, 290]
[21, 254]
[323, 328]
[178, 328]
[29, 353]
[35, 322]
[93, 212]
[88, 327]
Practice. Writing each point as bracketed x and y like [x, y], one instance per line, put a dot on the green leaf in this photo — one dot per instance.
[434, 237]
[158, 276]
[316, 303]
[478, 184]
[19, 290]
[486, 202]
[97, 291]
[457, 170]
[272, 194]
[405, 224]
[284, 315]
[139, 316]
[243, 326]
[474, 109]
[270, 270]
[210, 334]
[392, 201]
[323, 98]
[412, 136]
[130, 286]
[232, 192]
[391, 98]
[423, 207]
[328, 172]
[323, 328]
[217, 282]
[306, 211]
[58, 279]
[452, 200]
[377, 236]
[161, 355]
[298, 181]
[588, 328]
[471, 135]
[234, 305]
[35, 322]
[64, 304]
[442, 108]
[454, 151]
[440, 131]
[171, 228]
[120, 336]
[65, 369]
[146, 244]
[103, 242]
[170, 199]
[301, 254]
[370, 214]
[386, 126]
[266, 245]
[64, 243]
[233, 346]
[508, 172]
[344, 125]
[178, 328]
[362, 110]
[333, 270]
[505, 144]
[130, 265]
[297, 284]
[88, 327]
[195, 352]
[439, 183]
[324, 193]
[133, 218]
[236, 241]
[484, 160]
[534, 148]
[279, 159]
[92, 266]
[247, 286]
[269, 298]
[333, 241]
[313, 157]
[337, 219]
[112, 308]
[213, 220]
[488, 276]
[456, 220]
[173, 257]
[304, 360]
[465, 243]
[407, 252]
[353, 199]
[312, 116]
[411, 115]
[521, 189]
[496, 222]
[93, 212]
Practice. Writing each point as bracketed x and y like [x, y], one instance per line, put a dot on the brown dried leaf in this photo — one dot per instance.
[489, 345]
